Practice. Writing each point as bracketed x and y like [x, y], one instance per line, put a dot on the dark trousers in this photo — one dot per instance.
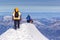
[16, 24]
[28, 21]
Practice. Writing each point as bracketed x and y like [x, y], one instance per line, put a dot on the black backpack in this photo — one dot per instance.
[16, 14]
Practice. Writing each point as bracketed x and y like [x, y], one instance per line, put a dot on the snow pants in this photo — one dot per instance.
[16, 24]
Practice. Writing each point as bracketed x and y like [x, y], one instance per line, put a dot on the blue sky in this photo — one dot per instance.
[40, 6]
[30, 5]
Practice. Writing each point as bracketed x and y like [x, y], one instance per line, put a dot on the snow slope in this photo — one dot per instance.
[27, 31]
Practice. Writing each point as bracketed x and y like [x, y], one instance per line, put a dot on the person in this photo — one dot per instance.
[17, 18]
[29, 20]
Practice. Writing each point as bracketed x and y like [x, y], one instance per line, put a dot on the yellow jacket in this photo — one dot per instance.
[15, 18]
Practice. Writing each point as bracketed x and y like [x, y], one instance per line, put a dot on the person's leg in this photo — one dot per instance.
[31, 21]
[15, 23]
[28, 21]
[18, 23]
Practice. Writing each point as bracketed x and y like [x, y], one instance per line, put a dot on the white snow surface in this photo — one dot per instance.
[27, 31]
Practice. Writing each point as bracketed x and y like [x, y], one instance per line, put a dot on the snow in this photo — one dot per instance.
[27, 31]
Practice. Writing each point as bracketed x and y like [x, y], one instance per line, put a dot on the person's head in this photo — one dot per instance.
[16, 9]
[28, 15]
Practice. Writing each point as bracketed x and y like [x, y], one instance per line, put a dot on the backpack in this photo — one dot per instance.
[16, 14]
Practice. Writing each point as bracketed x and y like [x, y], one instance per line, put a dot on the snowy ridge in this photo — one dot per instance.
[27, 31]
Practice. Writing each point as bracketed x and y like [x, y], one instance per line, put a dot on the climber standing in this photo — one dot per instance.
[17, 18]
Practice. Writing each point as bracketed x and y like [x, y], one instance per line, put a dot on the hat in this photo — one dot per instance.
[16, 9]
